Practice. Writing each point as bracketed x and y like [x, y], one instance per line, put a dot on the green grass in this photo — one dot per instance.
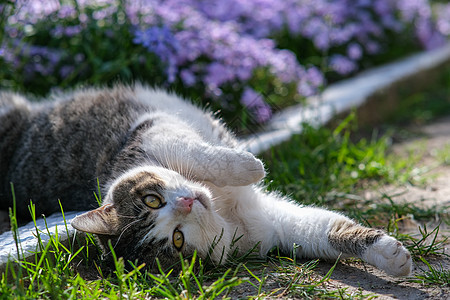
[443, 154]
[58, 271]
[433, 275]
[323, 165]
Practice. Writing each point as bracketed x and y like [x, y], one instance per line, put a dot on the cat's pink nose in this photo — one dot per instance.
[185, 204]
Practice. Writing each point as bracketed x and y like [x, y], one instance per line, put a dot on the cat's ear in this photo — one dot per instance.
[102, 220]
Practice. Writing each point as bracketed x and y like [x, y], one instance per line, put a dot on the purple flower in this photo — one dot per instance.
[256, 105]
[65, 71]
[187, 77]
[372, 47]
[8, 55]
[79, 58]
[354, 51]
[310, 82]
[162, 42]
[30, 59]
[215, 42]
[217, 74]
[67, 12]
[72, 30]
[443, 19]
[158, 40]
[429, 37]
[342, 65]
[105, 12]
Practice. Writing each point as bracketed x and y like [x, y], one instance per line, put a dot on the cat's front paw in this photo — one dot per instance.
[239, 169]
[389, 255]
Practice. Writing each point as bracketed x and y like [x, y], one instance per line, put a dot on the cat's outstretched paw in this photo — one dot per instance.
[389, 255]
[236, 168]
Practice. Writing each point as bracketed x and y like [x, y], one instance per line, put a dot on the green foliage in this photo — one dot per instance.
[434, 275]
[104, 58]
[381, 211]
[316, 164]
[425, 245]
[443, 154]
[52, 273]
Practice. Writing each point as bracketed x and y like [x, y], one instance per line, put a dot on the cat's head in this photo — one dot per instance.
[154, 212]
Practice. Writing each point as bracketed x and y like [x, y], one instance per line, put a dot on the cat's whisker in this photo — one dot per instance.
[190, 171]
[217, 198]
[157, 255]
[170, 158]
[122, 232]
[124, 216]
[179, 165]
[151, 160]
[167, 162]
[135, 205]
[162, 159]
[179, 161]
[166, 158]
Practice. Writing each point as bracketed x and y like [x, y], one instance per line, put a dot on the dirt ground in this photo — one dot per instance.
[436, 192]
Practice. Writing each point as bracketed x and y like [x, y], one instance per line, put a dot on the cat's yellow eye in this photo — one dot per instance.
[178, 239]
[153, 201]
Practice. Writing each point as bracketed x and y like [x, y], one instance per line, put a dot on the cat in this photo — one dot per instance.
[174, 180]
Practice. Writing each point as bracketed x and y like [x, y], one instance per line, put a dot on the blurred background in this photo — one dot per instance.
[248, 57]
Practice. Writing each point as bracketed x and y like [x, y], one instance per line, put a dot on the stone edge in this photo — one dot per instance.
[342, 97]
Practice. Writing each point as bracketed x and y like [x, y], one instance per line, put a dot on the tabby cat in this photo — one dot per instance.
[174, 180]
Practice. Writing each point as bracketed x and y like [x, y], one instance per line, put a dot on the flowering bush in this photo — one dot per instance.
[227, 52]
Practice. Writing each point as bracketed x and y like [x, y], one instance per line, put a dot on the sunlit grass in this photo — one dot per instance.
[321, 165]
[433, 275]
[54, 272]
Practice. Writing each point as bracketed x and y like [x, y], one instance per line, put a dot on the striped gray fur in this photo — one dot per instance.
[81, 137]
[351, 238]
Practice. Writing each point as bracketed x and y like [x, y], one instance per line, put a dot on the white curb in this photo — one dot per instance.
[343, 96]
[27, 235]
